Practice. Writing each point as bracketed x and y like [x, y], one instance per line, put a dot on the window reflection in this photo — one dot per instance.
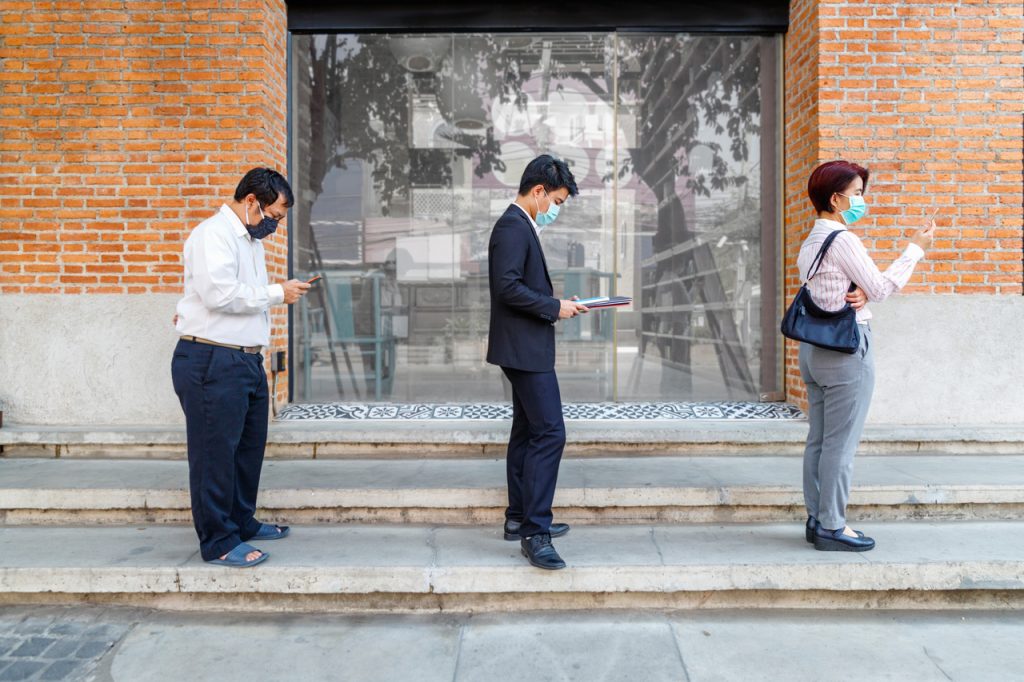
[407, 148]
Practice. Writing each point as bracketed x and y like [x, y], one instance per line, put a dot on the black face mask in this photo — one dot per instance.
[267, 226]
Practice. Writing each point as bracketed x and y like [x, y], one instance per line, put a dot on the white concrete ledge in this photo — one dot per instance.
[447, 484]
[443, 560]
[458, 432]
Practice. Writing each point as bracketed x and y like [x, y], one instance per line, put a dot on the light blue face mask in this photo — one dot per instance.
[548, 217]
[858, 209]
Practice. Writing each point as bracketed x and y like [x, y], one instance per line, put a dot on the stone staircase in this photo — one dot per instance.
[706, 516]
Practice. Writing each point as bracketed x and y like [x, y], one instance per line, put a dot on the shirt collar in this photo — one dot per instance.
[236, 224]
[536, 228]
[829, 224]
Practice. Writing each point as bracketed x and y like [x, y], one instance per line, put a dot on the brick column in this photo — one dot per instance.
[125, 124]
[929, 96]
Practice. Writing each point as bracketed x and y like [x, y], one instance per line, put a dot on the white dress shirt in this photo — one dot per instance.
[227, 297]
[536, 228]
[848, 261]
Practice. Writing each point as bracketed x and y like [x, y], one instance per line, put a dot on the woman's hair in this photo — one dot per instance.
[831, 178]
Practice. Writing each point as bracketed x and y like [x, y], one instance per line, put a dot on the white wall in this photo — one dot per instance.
[87, 359]
[93, 360]
[953, 360]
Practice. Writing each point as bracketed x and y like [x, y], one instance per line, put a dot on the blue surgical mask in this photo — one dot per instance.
[548, 217]
[858, 209]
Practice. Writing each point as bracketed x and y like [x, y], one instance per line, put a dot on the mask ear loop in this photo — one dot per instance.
[841, 216]
[536, 202]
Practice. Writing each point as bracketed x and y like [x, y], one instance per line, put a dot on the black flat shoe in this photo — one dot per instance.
[812, 523]
[540, 552]
[556, 530]
[826, 540]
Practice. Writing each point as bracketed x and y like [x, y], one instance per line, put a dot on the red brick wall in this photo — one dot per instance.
[125, 124]
[122, 125]
[801, 150]
[930, 97]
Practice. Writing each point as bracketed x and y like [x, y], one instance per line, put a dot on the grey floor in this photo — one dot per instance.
[94, 643]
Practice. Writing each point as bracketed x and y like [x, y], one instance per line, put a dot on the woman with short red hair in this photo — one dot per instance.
[839, 385]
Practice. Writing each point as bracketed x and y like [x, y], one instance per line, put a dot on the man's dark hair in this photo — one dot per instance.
[266, 184]
[546, 170]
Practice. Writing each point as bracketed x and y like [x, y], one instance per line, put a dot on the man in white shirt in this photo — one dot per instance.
[224, 322]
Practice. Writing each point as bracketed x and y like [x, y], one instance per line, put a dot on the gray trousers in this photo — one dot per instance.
[839, 388]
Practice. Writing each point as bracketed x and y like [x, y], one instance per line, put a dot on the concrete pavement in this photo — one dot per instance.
[628, 646]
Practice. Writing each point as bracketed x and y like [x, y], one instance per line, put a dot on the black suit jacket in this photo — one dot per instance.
[523, 306]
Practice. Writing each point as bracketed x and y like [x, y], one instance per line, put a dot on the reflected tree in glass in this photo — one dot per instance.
[686, 92]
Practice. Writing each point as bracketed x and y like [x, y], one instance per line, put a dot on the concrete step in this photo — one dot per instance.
[455, 438]
[921, 565]
[453, 491]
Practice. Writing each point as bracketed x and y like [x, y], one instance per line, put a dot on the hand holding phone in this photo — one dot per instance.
[310, 281]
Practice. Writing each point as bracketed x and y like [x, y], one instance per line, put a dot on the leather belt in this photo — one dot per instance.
[254, 350]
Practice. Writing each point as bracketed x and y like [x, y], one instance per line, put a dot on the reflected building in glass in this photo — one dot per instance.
[406, 148]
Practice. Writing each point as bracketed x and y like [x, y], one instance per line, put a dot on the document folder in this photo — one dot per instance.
[605, 301]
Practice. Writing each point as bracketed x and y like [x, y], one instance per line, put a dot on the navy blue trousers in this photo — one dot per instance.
[224, 395]
[534, 449]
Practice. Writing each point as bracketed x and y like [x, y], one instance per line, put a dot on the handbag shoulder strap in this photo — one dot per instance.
[816, 263]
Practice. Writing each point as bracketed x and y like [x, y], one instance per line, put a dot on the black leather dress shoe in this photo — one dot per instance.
[556, 530]
[827, 540]
[540, 552]
[812, 523]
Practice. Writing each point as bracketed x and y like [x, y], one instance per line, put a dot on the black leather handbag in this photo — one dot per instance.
[804, 321]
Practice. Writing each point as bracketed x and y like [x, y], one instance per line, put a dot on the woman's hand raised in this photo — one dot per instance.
[925, 236]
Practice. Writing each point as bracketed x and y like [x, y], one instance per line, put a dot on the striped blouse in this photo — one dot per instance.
[848, 261]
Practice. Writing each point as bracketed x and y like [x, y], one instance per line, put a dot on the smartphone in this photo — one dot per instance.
[310, 281]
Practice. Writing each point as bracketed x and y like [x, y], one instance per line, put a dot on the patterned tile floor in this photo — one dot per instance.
[499, 411]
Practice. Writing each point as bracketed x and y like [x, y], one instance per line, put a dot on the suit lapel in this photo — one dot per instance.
[536, 238]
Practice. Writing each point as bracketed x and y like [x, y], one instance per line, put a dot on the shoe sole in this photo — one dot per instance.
[534, 563]
[827, 545]
[515, 537]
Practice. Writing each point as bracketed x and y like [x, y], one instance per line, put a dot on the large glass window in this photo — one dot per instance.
[407, 148]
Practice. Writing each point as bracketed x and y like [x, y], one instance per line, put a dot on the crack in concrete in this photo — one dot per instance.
[661, 557]
[103, 672]
[458, 652]
[679, 651]
[432, 569]
[935, 663]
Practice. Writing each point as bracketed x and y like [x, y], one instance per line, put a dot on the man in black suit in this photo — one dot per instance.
[522, 342]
